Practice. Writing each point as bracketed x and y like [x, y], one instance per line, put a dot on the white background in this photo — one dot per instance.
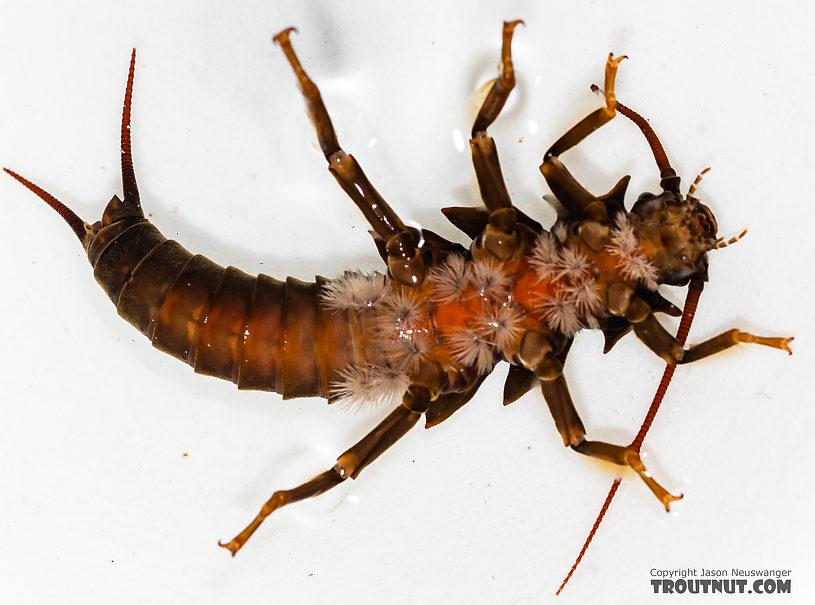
[98, 501]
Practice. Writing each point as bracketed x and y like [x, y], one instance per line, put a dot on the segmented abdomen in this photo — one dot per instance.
[258, 332]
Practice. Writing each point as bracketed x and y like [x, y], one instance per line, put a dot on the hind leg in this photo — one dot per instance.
[349, 464]
[402, 243]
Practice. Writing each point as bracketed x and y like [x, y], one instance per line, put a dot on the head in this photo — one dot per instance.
[681, 231]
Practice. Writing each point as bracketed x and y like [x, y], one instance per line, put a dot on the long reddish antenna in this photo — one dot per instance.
[594, 527]
[129, 187]
[70, 217]
[653, 141]
[656, 147]
[688, 312]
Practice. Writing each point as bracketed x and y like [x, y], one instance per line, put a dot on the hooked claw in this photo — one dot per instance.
[611, 74]
[631, 456]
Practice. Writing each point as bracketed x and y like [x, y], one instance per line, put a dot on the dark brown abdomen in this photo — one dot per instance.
[258, 332]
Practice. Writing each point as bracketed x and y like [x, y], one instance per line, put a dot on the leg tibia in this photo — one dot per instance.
[388, 432]
[314, 101]
[485, 156]
[728, 339]
[654, 335]
[349, 464]
[594, 120]
[630, 457]
[501, 86]
[320, 484]
[565, 187]
[570, 427]
[408, 268]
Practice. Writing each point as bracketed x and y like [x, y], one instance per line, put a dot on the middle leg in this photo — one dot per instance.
[484, 153]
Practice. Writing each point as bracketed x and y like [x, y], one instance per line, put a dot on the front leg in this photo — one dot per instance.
[563, 185]
[595, 119]
[654, 335]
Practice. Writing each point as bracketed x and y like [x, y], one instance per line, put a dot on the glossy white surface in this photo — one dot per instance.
[121, 468]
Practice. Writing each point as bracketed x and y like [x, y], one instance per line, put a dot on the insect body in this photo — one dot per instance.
[424, 335]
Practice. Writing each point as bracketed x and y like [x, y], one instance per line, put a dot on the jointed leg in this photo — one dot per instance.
[536, 355]
[728, 339]
[349, 464]
[485, 156]
[595, 119]
[570, 427]
[404, 259]
[627, 456]
[563, 185]
[343, 166]
[659, 340]
[654, 335]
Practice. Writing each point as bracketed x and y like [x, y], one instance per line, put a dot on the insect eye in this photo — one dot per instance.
[714, 227]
